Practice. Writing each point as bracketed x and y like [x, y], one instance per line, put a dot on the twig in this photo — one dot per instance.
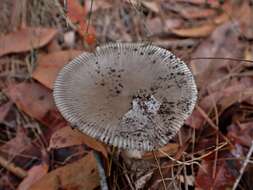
[89, 19]
[128, 180]
[247, 160]
[160, 171]
[210, 122]
[222, 58]
[13, 168]
[217, 139]
[194, 160]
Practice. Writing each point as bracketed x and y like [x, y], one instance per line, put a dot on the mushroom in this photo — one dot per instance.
[133, 96]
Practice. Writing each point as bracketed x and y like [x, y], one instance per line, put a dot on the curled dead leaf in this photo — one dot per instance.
[25, 40]
[49, 65]
[36, 101]
[82, 174]
[34, 175]
[197, 13]
[68, 137]
[224, 177]
[195, 32]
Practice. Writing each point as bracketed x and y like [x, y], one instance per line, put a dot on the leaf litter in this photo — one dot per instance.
[208, 153]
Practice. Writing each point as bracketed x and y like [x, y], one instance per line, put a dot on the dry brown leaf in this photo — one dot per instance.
[32, 98]
[225, 174]
[4, 110]
[151, 5]
[206, 29]
[68, 137]
[36, 101]
[197, 13]
[17, 144]
[34, 175]
[168, 149]
[224, 98]
[219, 45]
[49, 65]
[241, 134]
[245, 16]
[25, 40]
[82, 174]
[155, 26]
[195, 32]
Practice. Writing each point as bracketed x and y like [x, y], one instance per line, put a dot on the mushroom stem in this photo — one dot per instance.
[133, 153]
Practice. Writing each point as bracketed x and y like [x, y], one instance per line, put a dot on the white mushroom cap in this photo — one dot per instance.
[130, 95]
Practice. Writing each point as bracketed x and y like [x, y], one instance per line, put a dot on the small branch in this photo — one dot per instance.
[160, 171]
[222, 58]
[247, 160]
[12, 168]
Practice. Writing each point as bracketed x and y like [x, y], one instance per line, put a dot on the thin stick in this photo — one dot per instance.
[160, 171]
[247, 160]
[89, 19]
[13, 168]
[222, 58]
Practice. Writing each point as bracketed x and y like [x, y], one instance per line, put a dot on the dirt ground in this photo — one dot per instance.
[40, 150]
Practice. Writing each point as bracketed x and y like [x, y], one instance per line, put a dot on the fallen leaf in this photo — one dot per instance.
[32, 98]
[17, 144]
[49, 66]
[25, 40]
[155, 26]
[171, 23]
[77, 14]
[225, 174]
[66, 137]
[151, 5]
[195, 32]
[245, 16]
[197, 13]
[82, 174]
[4, 110]
[37, 102]
[241, 134]
[221, 45]
[248, 55]
[34, 175]
[205, 29]
[224, 98]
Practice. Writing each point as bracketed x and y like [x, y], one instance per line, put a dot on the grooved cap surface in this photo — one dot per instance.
[130, 95]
